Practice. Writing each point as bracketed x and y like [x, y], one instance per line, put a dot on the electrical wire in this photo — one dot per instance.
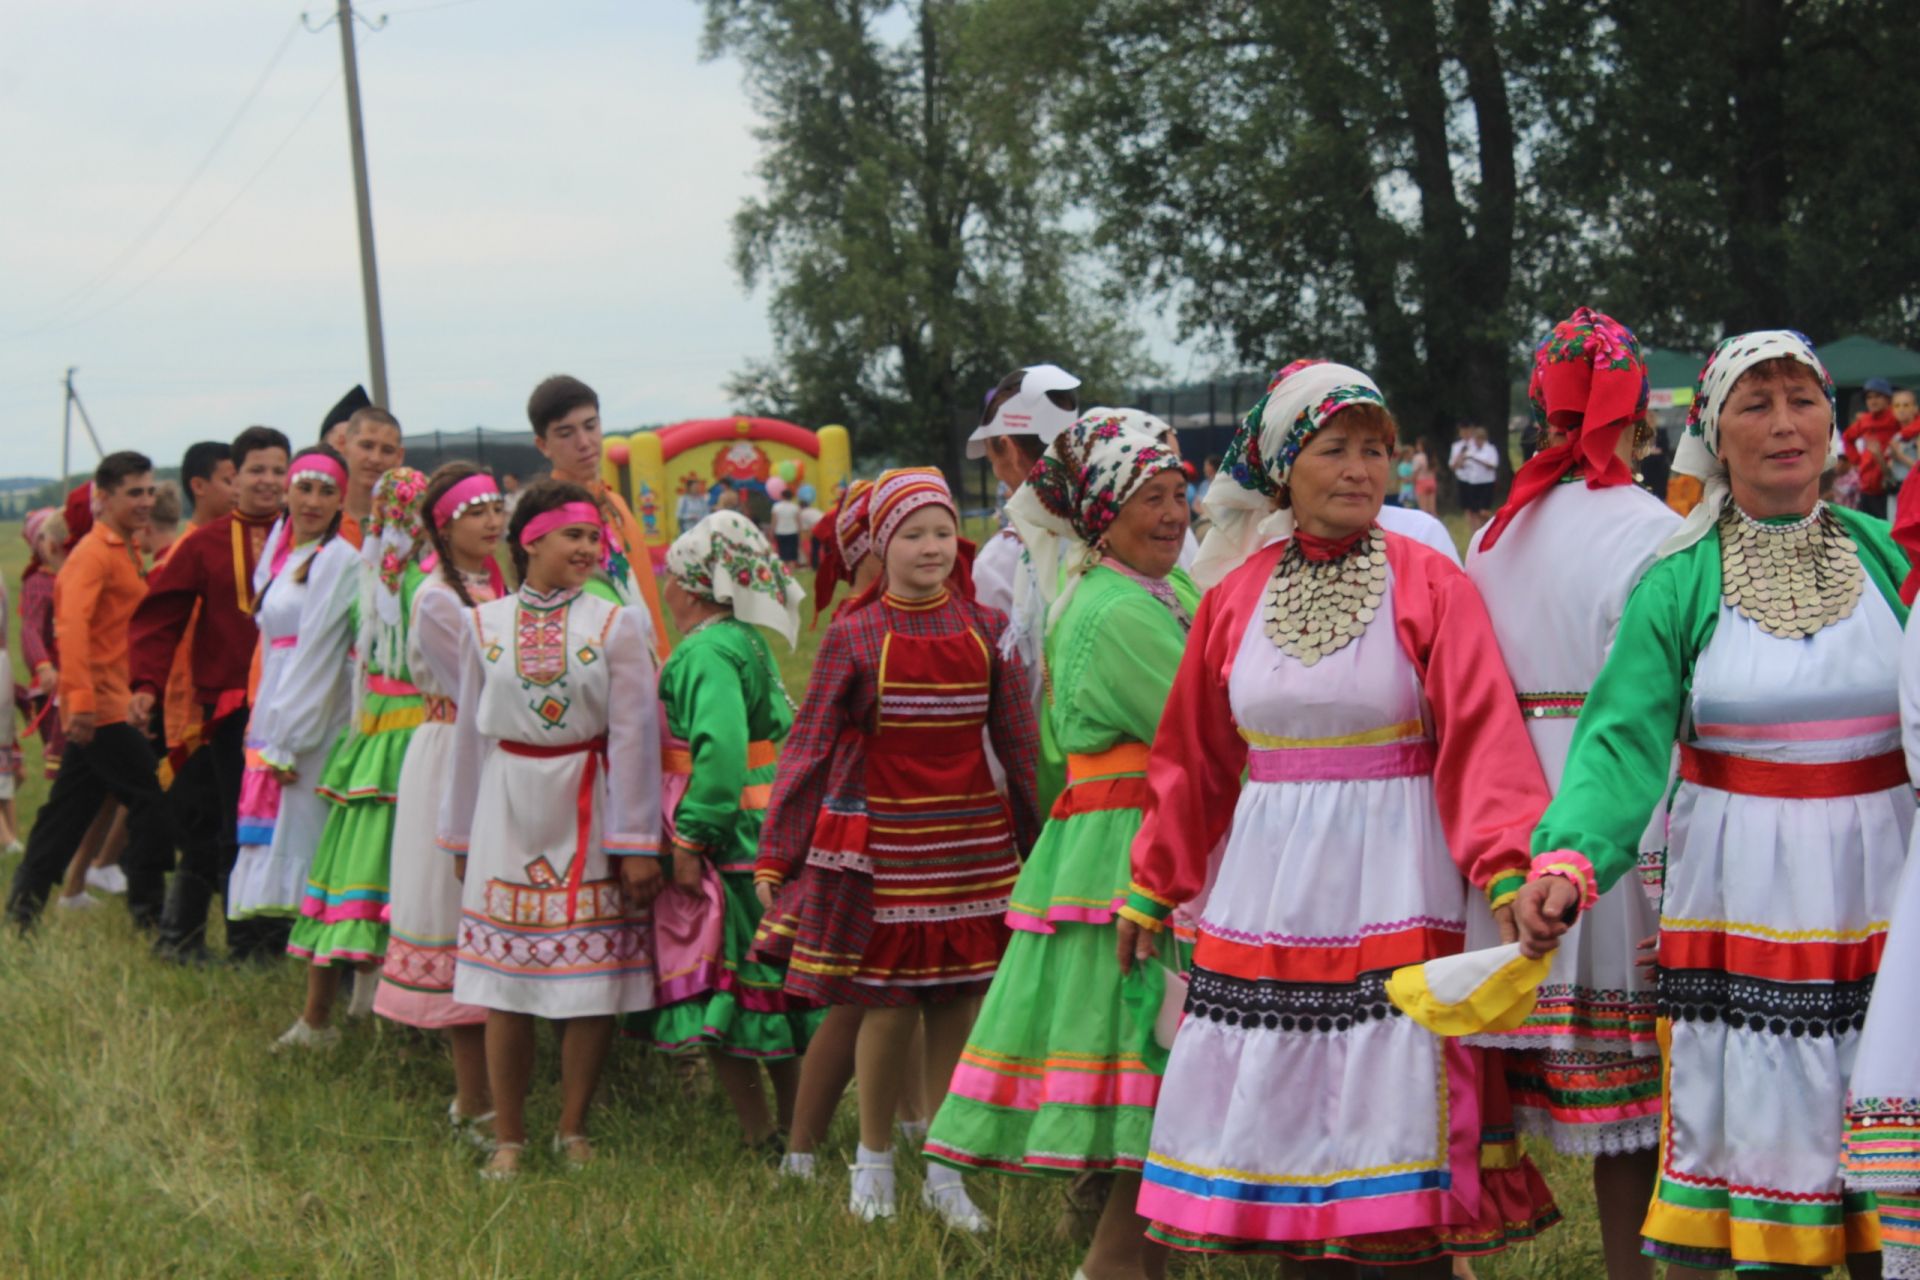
[159, 219]
[201, 234]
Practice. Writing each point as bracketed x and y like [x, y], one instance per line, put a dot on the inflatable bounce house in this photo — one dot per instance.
[763, 458]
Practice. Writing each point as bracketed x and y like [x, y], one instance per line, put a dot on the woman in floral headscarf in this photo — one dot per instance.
[1061, 1072]
[1350, 676]
[1591, 1078]
[727, 712]
[1766, 641]
[343, 916]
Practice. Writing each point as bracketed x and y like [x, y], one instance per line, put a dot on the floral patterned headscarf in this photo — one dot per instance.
[1590, 381]
[1243, 503]
[845, 542]
[389, 543]
[726, 560]
[1699, 451]
[1075, 492]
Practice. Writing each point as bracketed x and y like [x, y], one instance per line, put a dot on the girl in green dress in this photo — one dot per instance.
[727, 712]
[1062, 1070]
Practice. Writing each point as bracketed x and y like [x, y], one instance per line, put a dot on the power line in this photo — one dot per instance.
[199, 170]
[198, 236]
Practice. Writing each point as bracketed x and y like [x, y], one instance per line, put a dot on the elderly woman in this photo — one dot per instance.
[1058, 1076]
[1590, 1079]
[1351, 678]
[1766, 641]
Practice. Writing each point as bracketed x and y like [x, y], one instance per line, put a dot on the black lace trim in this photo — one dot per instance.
[1289, 1006]
[1760, 1004]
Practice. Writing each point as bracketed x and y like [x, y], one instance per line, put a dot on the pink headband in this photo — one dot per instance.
[558, 518]
[474, 489]
[317, 466]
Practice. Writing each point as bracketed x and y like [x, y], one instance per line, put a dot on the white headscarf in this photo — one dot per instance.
[1699, 452]
[726, 560]
[1243, 503]
[1073, 496]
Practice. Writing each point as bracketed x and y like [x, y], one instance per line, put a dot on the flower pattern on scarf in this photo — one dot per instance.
[1093, 468]
[726, 560]
[395, 523]
[1733, 357]
[1592, 338]
[1244, 460]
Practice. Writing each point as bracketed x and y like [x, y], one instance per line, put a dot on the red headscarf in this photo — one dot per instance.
[847, 542]
[79, 514]
[1589, 381]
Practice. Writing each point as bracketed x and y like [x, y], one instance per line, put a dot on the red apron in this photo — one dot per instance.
[938, 833]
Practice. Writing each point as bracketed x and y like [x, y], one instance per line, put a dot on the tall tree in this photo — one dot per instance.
[911, 229]
[1728, 166]
[1331, 177]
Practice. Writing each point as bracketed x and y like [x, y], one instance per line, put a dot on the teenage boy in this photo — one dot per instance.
[372, 445]
[107, 754]
[208, 581]
[565, 413]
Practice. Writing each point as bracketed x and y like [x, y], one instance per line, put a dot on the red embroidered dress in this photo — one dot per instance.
[885, 780]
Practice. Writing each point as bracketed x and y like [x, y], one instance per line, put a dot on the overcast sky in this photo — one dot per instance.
[552, 189]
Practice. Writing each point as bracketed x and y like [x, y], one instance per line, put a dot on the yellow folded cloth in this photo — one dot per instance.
[1471, 993]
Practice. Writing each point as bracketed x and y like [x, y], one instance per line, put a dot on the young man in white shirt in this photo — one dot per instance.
[1475, 465]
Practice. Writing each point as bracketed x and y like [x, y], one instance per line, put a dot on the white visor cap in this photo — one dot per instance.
[1028, 412]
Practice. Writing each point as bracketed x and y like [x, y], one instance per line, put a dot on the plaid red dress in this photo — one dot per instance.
[883, 797]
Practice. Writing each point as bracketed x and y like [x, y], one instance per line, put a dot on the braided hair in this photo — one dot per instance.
[444, 477]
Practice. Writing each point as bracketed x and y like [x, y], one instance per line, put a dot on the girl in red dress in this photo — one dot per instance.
[885, 779]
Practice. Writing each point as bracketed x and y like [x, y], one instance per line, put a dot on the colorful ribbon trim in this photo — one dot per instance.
[595, 749]
[1551, 706]
[1745, 777]
[1341, 764]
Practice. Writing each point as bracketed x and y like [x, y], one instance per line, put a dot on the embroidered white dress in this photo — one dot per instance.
[544, 925]
[416, 981]
[1555, 585]
[304, 698]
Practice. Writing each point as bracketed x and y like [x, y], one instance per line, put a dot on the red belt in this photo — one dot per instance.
[1746, 777]
[595, 750]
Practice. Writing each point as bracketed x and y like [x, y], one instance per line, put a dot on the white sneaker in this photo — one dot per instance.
[954, 1207]
[797, 1165]
[364, 986]
[871, 1196]
[14, 846]
[302, 1036]
[107, 879]
[914, 1132]
[82, 901]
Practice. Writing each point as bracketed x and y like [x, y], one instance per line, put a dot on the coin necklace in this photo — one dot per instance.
[1319, 607]
[1790, 580]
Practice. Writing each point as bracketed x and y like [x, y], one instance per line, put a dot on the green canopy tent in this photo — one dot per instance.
[1670, 377]
[1852, 360]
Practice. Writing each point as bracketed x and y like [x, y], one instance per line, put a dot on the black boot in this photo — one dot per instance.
[183, 925]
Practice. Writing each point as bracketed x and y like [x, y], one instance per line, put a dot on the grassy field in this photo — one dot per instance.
[146, 1131]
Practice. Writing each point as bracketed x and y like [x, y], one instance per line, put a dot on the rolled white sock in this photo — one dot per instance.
[864, 1156]
[942, 1176]
[915, 1131]
[797, 1164]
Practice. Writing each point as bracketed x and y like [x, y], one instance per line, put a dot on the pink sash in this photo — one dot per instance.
[687, 927]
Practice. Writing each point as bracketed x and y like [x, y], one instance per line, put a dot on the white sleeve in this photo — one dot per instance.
[993, 572]
[1189, 551]
[317, 677]
[630, 822]
[440, 627]
[455, 825]
[1910, 695]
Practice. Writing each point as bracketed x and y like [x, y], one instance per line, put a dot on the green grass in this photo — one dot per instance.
[146, 1131]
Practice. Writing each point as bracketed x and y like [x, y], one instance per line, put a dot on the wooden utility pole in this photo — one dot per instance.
[66, 427]
[369, 275]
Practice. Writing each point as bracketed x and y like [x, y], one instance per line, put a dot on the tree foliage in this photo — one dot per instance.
[911, 231]
[1718, 167]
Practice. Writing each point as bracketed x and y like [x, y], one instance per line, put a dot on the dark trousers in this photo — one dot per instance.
[118, 762]
[213, 778]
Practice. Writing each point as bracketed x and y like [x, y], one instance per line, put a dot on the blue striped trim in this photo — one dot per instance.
[1220, 1188]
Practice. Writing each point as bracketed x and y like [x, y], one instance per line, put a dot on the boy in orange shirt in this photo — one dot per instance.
[95, 595]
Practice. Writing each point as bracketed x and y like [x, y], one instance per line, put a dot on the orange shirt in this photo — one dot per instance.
[639, 560]
[94, 597]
